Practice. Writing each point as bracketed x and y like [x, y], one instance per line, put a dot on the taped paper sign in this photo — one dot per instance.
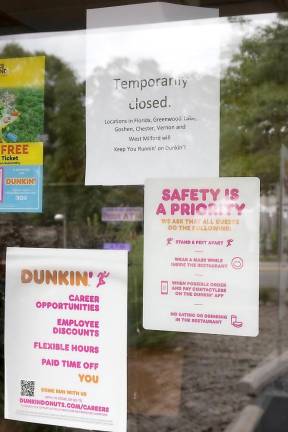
[151, 105]
[206, 233]
[65, 324]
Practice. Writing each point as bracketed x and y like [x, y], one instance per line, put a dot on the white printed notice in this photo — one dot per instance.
[201, 255]
[65, 338]
[152, 101]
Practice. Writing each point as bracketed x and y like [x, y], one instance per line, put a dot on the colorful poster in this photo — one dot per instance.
[21, 128]
[66, 338]
[21, 177]
[152, 104]
[206, 233]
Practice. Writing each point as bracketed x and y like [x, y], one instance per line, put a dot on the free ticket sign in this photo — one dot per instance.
[21, 177]
[203, 236]
[65, 337]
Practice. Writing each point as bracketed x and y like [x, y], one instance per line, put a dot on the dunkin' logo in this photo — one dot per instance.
[55, 277]
[60, 277]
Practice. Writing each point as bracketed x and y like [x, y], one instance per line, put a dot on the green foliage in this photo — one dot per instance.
[254, 107]
[268, 295]
[65, 116]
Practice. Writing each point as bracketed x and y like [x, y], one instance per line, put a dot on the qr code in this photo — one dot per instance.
[27, 388]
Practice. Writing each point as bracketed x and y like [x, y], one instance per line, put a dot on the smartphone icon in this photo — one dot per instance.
[164, 287]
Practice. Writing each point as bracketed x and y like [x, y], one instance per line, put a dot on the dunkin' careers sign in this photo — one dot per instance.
[66, 315]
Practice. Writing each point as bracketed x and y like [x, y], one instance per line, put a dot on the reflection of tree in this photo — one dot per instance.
[64, 162]
[65, 115]
[255, 106]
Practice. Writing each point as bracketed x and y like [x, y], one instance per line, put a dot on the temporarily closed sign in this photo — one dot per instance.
[152, 100]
